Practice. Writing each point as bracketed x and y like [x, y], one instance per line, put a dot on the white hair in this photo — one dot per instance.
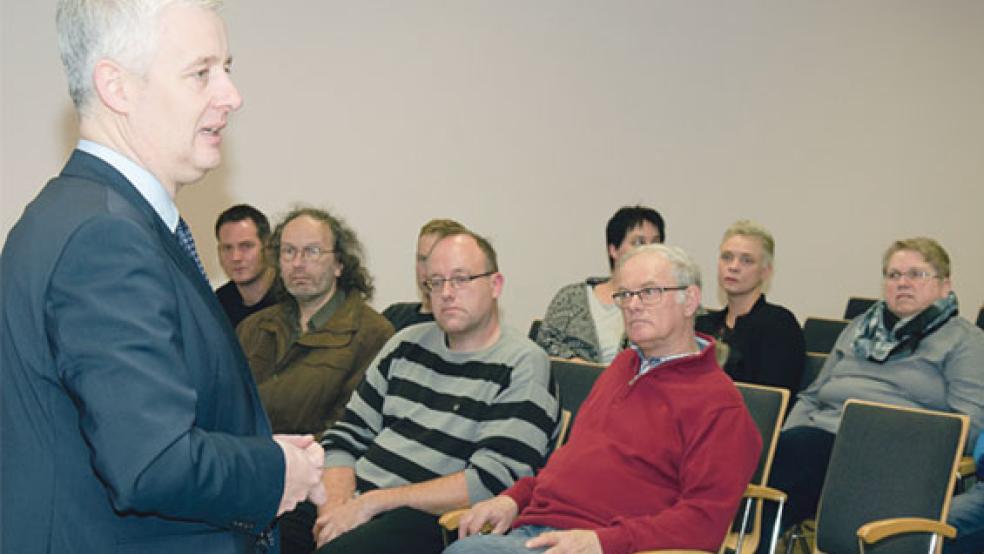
[122, 30]
[684, 270]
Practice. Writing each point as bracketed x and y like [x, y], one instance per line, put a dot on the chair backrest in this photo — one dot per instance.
[980, 318]
[534, 329]
[767, 406]
[574, 380]
[814, 363]
[820, 334]
[888, 461]
[857, 305]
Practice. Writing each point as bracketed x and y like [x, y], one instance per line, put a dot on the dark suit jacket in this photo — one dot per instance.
[130, 420]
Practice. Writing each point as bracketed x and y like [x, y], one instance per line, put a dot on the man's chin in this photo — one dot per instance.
[450, 325]
[246, 279]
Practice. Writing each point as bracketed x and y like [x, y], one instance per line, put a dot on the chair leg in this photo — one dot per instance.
[797, 533]
[793, 537]
[744, 525]
[775, 530]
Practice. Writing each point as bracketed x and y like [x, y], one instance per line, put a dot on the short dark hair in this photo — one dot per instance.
[347, 249]
[628, 218]
[241, 212]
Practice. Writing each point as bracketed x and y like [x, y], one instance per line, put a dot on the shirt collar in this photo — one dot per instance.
[146, 184]
[647, 364]
[319, 319]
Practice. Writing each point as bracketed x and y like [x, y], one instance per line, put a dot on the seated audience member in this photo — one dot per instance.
[310, 351]
[967, 512]
[242, 232]
[765, 341]
[450, 413]
[909, 349]
[661, 450]
[404, 314]
[581, 321]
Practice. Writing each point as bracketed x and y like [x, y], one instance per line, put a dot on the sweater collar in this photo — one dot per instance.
[647, 364]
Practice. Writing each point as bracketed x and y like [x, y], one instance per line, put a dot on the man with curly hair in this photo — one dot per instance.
[310, 351]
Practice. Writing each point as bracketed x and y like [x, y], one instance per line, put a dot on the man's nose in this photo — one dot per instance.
[447, 290]
[228, 95]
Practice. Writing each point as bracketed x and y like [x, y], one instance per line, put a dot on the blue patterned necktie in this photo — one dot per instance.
[187, 243]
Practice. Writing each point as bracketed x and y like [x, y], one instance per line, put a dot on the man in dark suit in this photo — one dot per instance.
[130, 421]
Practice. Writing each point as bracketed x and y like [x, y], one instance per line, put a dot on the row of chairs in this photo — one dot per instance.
[901, 510]
[820, 334]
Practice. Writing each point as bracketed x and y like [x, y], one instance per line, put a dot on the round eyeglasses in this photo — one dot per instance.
[312, 252]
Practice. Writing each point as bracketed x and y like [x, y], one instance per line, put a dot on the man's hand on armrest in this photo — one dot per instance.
[497, 512]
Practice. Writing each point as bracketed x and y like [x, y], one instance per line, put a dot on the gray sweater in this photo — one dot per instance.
[945, 373]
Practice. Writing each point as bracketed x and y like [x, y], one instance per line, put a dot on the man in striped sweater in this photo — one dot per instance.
[450, 413]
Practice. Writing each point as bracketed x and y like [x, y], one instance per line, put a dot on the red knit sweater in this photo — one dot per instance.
[660, 463]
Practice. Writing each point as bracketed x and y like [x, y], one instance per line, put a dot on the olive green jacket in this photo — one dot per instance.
[305, 383]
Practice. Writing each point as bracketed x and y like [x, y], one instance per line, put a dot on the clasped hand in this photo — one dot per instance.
[303, 459]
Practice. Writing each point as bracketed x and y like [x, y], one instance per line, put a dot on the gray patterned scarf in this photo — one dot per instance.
[874, 341]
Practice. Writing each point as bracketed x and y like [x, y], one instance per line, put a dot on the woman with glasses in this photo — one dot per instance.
[582, 321]
[909, 349]
[765, 341]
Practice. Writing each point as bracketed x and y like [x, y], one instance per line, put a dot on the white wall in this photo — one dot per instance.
[839, 125]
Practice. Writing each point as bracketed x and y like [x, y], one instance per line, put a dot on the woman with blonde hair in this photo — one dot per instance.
[765, 341]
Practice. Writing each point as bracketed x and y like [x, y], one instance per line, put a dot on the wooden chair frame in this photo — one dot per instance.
[875, 531]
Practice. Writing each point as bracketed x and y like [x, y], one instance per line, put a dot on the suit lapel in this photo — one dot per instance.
[91, 168]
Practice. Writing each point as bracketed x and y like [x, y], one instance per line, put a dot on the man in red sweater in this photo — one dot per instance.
[663, 446]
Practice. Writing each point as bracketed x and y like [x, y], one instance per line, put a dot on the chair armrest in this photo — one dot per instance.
[875, 531]
[967, 467]
[764, 493]
[449, 520]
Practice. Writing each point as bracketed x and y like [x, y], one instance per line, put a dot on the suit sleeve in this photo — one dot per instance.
[717, 465]
[113, 311]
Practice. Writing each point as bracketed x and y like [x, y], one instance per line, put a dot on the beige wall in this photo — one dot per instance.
[839, 125]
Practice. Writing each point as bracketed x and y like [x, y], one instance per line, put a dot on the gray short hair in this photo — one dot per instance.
[685, 270]
[931, 251]
[121, 30]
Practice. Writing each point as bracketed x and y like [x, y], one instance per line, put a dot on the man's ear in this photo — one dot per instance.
[498, 280]
[692, 302]
[111, 83]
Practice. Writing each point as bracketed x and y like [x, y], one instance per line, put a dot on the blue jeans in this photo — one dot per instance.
[967, 515]
[511, 543]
